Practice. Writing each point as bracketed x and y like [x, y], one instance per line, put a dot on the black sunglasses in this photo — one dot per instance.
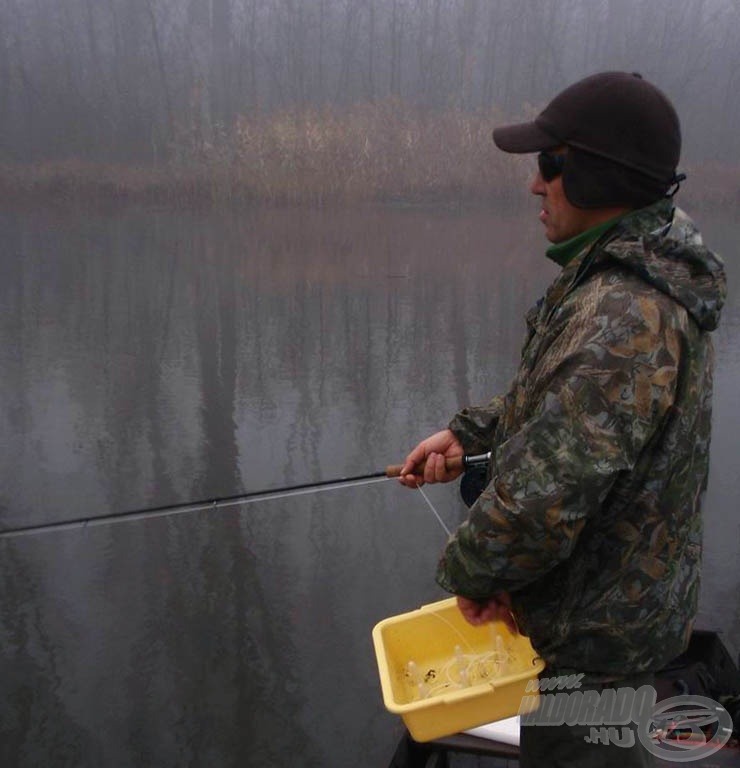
[550, 165]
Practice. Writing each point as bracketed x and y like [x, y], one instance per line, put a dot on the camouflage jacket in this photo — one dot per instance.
[591, 519]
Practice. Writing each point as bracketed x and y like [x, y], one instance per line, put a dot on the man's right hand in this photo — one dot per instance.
[435, 449]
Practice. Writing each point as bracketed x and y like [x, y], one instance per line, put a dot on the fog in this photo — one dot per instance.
[156, 353]
[126, 79]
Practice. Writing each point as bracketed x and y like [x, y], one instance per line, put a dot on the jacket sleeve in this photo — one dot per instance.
[474, 426]
[595, 397]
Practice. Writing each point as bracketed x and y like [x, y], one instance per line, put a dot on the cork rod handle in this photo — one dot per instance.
[456, 462]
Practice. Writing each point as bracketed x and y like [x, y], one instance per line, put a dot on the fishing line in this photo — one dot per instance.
[431, 506]
[459, 462]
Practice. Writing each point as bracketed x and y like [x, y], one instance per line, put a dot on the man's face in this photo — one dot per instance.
[561, 219]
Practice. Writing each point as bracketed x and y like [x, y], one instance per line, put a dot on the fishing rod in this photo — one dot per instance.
[393, 470]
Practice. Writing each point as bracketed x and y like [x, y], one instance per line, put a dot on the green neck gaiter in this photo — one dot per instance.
[562, 253]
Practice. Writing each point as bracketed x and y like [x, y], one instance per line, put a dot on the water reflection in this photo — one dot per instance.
[154, 357]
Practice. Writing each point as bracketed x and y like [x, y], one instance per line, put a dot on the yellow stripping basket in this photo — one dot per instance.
[443, 675]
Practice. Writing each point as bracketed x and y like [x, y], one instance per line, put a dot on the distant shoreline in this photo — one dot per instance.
[75, 181]
[383, 152]
[105, 184]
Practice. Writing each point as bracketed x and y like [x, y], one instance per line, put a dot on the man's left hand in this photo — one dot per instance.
[496, 608]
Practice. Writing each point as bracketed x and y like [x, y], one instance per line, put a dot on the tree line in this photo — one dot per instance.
[124, 80]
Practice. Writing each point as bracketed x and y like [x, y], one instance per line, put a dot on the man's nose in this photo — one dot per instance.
[537, 187]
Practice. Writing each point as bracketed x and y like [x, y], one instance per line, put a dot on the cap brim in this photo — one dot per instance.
[523, 137]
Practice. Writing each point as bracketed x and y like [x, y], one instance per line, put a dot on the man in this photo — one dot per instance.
[589, 532]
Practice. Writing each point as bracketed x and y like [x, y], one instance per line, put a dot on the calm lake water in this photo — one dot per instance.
[155, 357]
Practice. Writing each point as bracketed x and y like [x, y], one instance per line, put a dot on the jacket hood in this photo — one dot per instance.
[662, 245]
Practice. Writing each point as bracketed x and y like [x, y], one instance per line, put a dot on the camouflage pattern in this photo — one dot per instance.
[591, 518]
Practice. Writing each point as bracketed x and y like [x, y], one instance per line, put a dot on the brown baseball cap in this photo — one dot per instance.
[617, 116]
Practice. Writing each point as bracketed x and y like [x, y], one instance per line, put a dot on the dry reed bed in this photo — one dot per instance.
[370, 152]
[382, 151]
